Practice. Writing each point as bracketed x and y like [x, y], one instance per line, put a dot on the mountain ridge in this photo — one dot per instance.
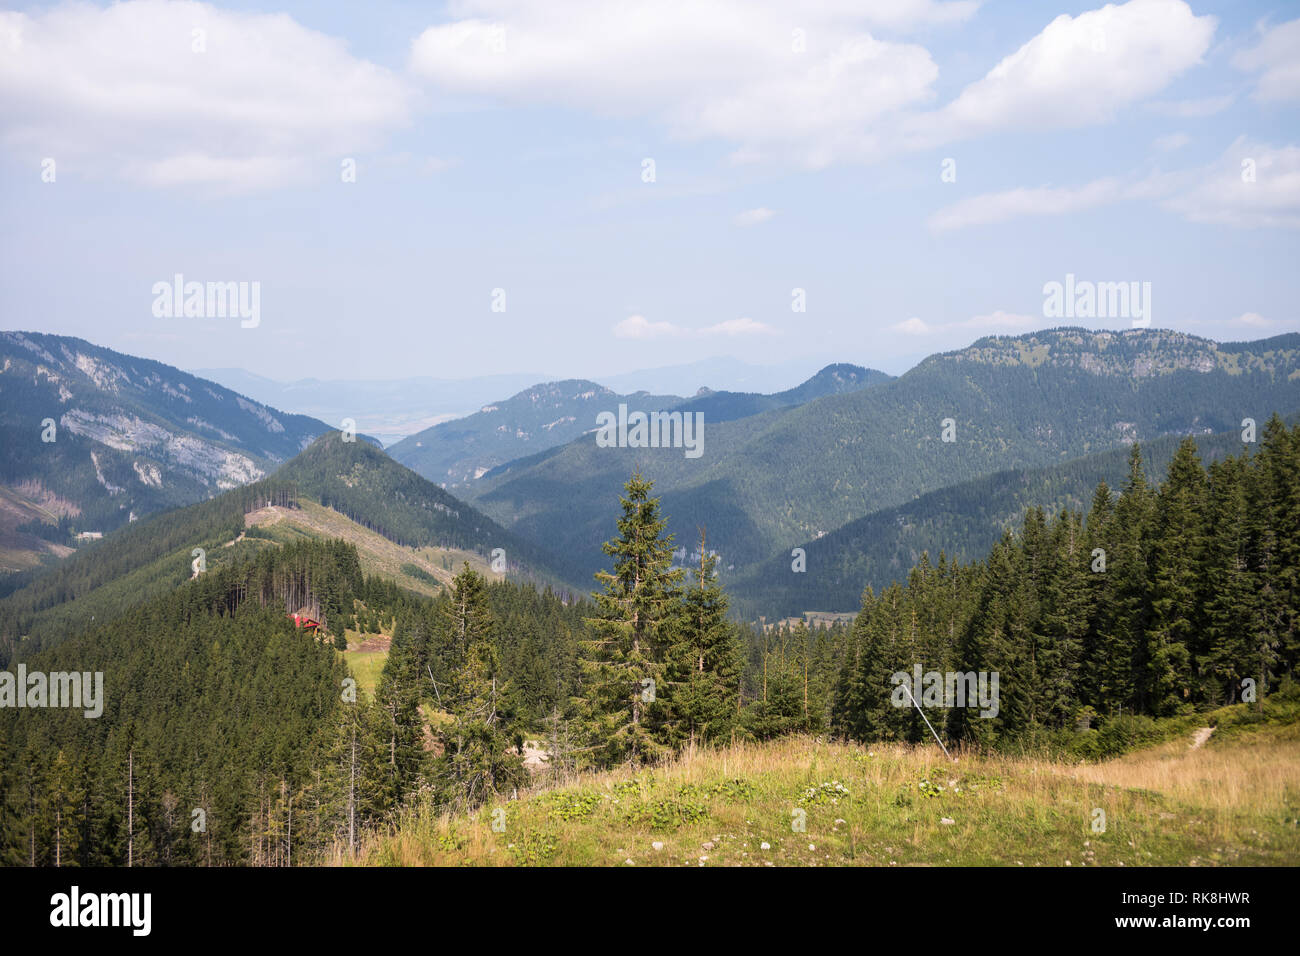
[770, 481]
[116, 436]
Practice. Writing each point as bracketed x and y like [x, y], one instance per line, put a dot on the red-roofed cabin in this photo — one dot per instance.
[304, 620]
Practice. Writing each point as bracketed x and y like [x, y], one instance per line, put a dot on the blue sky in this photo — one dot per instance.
[500, 145]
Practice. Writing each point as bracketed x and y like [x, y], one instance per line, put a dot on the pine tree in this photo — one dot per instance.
[704, 663]
[476, 762]
[1066, 614]
[1121, 649]
[1275, 507]
[464, 618]
[1098, 531]
[1178, 544]
[354, 777]
[398, 721]
[636, 611]
[64, 810]
[1228, 645]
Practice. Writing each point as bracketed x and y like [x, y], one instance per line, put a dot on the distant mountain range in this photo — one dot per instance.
[538, 418]
[545, 416]
[832, 380]
[391, 410]
[862, 470]
[770, 481]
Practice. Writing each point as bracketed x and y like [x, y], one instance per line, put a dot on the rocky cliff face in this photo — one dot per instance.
[117, 436]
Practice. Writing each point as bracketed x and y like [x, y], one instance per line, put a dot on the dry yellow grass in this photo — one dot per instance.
[1234, 801]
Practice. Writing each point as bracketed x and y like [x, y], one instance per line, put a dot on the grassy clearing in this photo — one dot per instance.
[1235, 800]
[378, 555]
[365, 663]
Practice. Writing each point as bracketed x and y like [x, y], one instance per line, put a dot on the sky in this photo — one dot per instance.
[583, 187]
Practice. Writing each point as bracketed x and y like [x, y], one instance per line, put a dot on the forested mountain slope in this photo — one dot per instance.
[832, 380]
[151, 557]
[768, 482]
[546, 415]
[549, 415]
[961, 521]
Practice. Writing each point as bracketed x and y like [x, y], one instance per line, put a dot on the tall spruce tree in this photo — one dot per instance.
[397, 717]
[704, 662]
[1177, 551]
[477, 757]
[1227, 646]
[1121, 651]
[636, 612]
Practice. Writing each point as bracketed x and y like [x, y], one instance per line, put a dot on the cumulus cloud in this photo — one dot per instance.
[753, 217]
[809, 87]
[1276, 58]
[912, 326]
[824, 90]
[186, 94]
[1251, 185]
[1078, 71]
[639, 327]
[737, 327]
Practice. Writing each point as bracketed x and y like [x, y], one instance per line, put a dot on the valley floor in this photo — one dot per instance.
[1235, 800]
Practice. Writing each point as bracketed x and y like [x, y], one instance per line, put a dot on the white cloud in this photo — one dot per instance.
[1077, 71]
[639, 327]
[1254, 320]
[1216, 193]
[753, 217]
[1276, 58]
[728, 69]
[912, 326]
[990, 208]
[121, 90]
[737, 327]
[1221, 193]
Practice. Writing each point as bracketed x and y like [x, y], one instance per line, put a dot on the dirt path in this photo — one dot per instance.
[1200, 737]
